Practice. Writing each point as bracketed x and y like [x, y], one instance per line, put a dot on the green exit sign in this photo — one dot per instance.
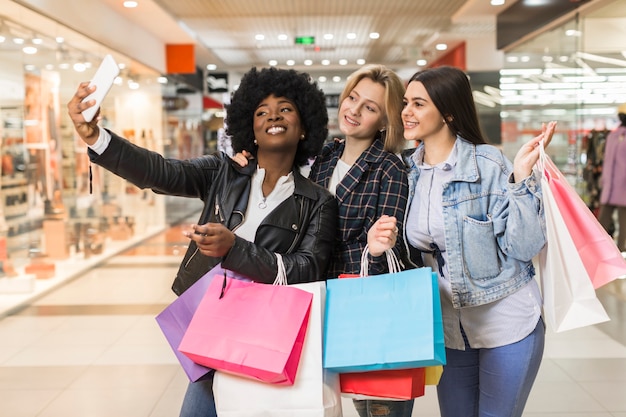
[305, 40]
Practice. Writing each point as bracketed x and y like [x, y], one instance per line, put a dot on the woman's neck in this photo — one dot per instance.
[354, 148]
[275, 168]
[438, 149]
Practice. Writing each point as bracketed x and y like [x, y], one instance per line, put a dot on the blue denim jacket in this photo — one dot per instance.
[493, 227]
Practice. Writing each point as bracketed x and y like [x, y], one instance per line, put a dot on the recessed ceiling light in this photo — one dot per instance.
[291, 62]
[343, 62]
[308, 62]
[282, 37]
[325, 62]
[421, 62]
[328, 36]
[211, 67]
[497, 2]
[273, 62]
[351, 35]
[374, 35]
[259, 37]
[360, 61]
[79, 67]
[441, 47]
[130, 4]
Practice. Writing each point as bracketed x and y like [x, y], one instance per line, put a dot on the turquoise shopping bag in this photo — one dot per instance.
[389, 321]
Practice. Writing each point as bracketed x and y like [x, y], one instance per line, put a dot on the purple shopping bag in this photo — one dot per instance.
[176, 317]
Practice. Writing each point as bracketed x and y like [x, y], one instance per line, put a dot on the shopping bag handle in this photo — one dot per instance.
[392, 261]
[281, 274]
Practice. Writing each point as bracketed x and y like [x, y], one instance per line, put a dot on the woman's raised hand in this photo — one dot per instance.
[528, 155]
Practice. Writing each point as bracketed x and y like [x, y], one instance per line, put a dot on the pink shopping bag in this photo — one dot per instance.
[175, 319]
[600, 255]
[249, 329]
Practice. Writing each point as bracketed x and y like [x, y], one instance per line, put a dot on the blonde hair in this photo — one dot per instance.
[394, 96]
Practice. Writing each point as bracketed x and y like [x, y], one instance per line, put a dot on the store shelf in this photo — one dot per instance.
[66, 270]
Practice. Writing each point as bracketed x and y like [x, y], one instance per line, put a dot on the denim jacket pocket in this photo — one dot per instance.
[482, 262]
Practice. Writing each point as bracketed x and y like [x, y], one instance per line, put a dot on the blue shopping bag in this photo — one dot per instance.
[388, 321]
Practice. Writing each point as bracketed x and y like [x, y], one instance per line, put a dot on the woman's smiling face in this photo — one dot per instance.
[421, 119]
[277, 124]
[362, 112]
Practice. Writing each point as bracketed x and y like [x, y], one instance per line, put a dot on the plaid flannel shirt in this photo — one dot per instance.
[376, 184]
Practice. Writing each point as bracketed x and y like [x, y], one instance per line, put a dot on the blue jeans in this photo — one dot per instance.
[199, 401]
[490, 382]
[378, 408]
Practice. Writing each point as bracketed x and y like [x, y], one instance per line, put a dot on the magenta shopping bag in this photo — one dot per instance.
[249, 329]
[600, 255]
[176, 317]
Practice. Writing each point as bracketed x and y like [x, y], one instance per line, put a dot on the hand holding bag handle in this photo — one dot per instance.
[392, 262]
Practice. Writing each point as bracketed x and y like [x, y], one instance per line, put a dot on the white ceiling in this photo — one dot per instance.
[226, 30]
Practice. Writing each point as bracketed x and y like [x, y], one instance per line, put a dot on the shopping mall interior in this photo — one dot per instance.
[87, 259]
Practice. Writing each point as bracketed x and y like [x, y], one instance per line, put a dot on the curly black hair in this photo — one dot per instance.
[255, 86]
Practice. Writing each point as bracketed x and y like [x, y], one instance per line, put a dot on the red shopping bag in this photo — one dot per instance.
[600, 255]
[403, 384]
[249, 329]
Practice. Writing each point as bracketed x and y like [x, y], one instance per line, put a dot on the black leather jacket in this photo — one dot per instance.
[302, 228]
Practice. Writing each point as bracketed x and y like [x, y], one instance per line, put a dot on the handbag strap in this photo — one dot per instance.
[281, 274]
[392, 261]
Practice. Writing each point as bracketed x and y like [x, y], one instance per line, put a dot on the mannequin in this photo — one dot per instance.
[613, 181]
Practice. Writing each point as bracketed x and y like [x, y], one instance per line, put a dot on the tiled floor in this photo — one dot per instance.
[92, 348]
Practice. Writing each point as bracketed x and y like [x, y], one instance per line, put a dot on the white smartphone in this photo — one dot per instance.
[103, 79]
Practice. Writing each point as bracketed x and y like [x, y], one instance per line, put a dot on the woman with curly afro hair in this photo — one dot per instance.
[251, 214]
[290, 84]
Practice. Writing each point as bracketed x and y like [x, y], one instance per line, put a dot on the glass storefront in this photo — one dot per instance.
[53, 205]
[575, 74]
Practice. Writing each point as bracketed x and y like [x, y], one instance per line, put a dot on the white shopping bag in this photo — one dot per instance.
[569, 299]
[315, 392]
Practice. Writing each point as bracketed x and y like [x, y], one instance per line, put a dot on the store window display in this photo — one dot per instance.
[613, 181]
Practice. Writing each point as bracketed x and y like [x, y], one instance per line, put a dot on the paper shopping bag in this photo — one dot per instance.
[403, 384]
[569, 299]
[315, 392]
[388, 321]
[393, 383]
[249, 329]
[175, 319]
[433, 374]
[600, 255]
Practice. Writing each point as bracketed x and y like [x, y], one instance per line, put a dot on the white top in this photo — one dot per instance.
[340, 171]
[259, 206]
